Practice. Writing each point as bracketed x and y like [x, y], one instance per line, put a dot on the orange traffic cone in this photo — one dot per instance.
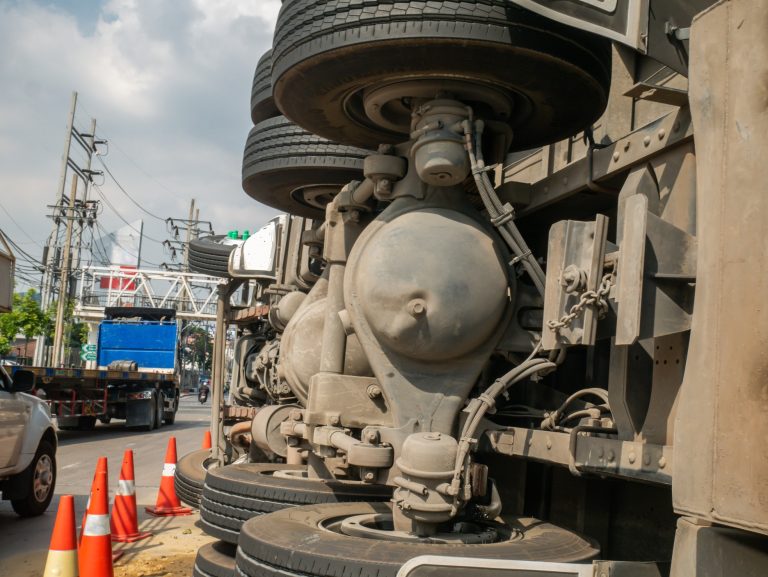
[96, 544]
[168, 504]
[62, 554]
[124, 521]
[101, 467]
[207, 440]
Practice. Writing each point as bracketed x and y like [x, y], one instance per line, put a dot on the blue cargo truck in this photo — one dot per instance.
[137, 378]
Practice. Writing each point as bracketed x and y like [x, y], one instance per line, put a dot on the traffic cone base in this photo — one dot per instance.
[61, 564]
[131, 538]
[62, 554]
[168, 503]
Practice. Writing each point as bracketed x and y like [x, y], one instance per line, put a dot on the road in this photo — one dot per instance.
[25, 541]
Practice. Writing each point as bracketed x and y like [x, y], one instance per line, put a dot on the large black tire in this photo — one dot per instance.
[207, 255]
[283, 163]
[236, 493]
[215, 560]
[268, 545]
[262, 104]
[327, 53]
[190, 476]
[37, 491]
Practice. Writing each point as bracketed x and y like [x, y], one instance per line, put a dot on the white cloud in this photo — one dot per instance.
[168, 80]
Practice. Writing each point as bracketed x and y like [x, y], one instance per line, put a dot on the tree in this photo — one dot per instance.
[26, 318]
[197, 343]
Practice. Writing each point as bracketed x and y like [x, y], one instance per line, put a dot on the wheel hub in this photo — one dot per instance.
[43, 477]
[380, 527]
[389, 105]
[316, 195]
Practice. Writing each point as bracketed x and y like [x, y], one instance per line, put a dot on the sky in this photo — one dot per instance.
[169, 84]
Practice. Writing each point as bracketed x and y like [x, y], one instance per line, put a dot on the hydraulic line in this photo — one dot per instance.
[502, 216]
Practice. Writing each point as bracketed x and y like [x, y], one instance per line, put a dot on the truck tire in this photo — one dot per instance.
[262, 104]
[207, 255]
[336, 54]
[169, 417]
[152, 424]
[268, 545]
[190, 476]
[235, 493]
[215, 560]
[292, 170]
[38, 481]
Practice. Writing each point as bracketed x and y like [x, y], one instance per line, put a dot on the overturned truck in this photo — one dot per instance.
[532, 340]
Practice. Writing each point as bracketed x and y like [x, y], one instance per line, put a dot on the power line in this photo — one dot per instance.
[13, 220]
[120, 216]
[114, 240]
[22, 252]
[112, 142]
[125, 192]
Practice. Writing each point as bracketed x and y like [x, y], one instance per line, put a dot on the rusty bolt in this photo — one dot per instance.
[573, 278]
[296, 414]
[374, 391]
[417, 307]
[335, 420]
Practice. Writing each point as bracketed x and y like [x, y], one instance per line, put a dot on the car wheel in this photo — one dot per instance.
[290, 169]
[357, 539]
[361, 65]
[235, 493]
[40, 481]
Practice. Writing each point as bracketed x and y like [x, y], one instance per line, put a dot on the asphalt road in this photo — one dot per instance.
[78, 451]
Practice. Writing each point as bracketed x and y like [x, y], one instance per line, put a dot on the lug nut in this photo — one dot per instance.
[374, 391]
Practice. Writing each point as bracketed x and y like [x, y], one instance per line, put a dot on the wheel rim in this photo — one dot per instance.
[388, 105]
[42, 480]
[380, 527]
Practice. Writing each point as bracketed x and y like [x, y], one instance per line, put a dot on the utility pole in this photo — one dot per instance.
[191, 226]
[67, 210]
[189, 234]
[61, 308]
[49, 253]
[90, 140]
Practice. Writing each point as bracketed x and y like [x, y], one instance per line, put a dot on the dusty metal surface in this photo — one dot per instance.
[721, 470]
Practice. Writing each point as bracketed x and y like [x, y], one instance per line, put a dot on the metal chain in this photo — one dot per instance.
[588, 298]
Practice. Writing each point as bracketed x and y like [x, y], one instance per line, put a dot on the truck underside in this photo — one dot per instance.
[546, 347]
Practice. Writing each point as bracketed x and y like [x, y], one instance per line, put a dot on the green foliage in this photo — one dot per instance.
[197, 347]
[26, 318]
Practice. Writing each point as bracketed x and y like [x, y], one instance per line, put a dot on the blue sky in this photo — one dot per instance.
[169, 83]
